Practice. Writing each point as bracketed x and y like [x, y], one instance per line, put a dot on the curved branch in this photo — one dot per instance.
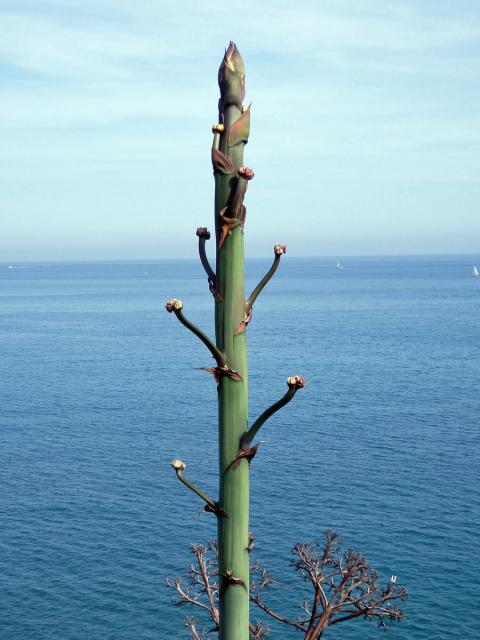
[187, 599]
[294, 383]
[261, 605]
[234, 213]
[279, 250]
[356, 614]
[179, 467]
[203, 235]
[176, 306]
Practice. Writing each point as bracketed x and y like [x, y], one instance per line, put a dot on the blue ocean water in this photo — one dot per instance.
[99, 391]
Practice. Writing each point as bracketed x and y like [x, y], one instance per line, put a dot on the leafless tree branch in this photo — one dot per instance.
[344, 587]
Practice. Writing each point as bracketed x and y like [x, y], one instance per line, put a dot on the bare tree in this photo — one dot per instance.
[344, 587]
[200, 589]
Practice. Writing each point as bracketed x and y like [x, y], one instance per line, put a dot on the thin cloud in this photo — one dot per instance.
[365, 101]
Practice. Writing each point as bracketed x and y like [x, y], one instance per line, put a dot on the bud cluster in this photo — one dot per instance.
[280, 249]
[178, 465]
[173, 305]
[296, 381]
[203, 232]
[246, 172]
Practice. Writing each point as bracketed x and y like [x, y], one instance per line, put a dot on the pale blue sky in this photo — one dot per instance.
[365, 126]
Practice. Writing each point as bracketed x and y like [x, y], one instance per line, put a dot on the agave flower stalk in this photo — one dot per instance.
[232, 315]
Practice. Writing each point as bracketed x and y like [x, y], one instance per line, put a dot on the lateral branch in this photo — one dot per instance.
[279, 250]
[176, 307]
[179, 467]
[203, 235]
[294, 384]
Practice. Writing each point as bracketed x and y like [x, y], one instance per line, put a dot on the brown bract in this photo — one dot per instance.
[227, 225]
[244, 323]
[229, 579]
[280, 249]
[221, 162]
[213, 290]
[219, 372]
[248, 454]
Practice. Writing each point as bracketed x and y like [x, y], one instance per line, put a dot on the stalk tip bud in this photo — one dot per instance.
[173, 305]
[203, 232]
[231, 79]
[296, 381]
[246, 172]
[178, 465]
[280, 249]
[233, 59]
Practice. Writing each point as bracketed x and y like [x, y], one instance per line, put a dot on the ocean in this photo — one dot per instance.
[99, 391]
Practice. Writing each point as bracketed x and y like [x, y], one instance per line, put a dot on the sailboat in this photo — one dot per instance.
[475, 272]
[339, 265]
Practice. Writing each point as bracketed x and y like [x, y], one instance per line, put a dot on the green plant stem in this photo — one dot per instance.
[233, 395]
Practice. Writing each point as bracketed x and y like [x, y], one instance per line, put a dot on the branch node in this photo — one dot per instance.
[229, 579]
[216, 510]
[244, 323]
[219, 372]
[248, 454]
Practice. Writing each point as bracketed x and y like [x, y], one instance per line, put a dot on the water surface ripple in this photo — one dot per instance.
[99, 391]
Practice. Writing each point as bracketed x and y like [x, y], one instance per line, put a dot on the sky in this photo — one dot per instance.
[364, 139]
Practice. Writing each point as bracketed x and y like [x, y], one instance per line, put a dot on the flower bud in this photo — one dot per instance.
[173, 305]
[246, 172]
[280, 249]
[203, 232]
[231, 78]
[178, 465]
[218, 128]
[296, 381]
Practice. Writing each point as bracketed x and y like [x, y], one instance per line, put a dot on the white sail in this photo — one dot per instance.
[475, 272]
[339, 265]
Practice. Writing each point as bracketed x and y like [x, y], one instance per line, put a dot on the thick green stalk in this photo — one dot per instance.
[229, 313]
[232, 315]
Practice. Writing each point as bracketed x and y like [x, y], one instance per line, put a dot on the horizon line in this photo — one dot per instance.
[258, 257]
